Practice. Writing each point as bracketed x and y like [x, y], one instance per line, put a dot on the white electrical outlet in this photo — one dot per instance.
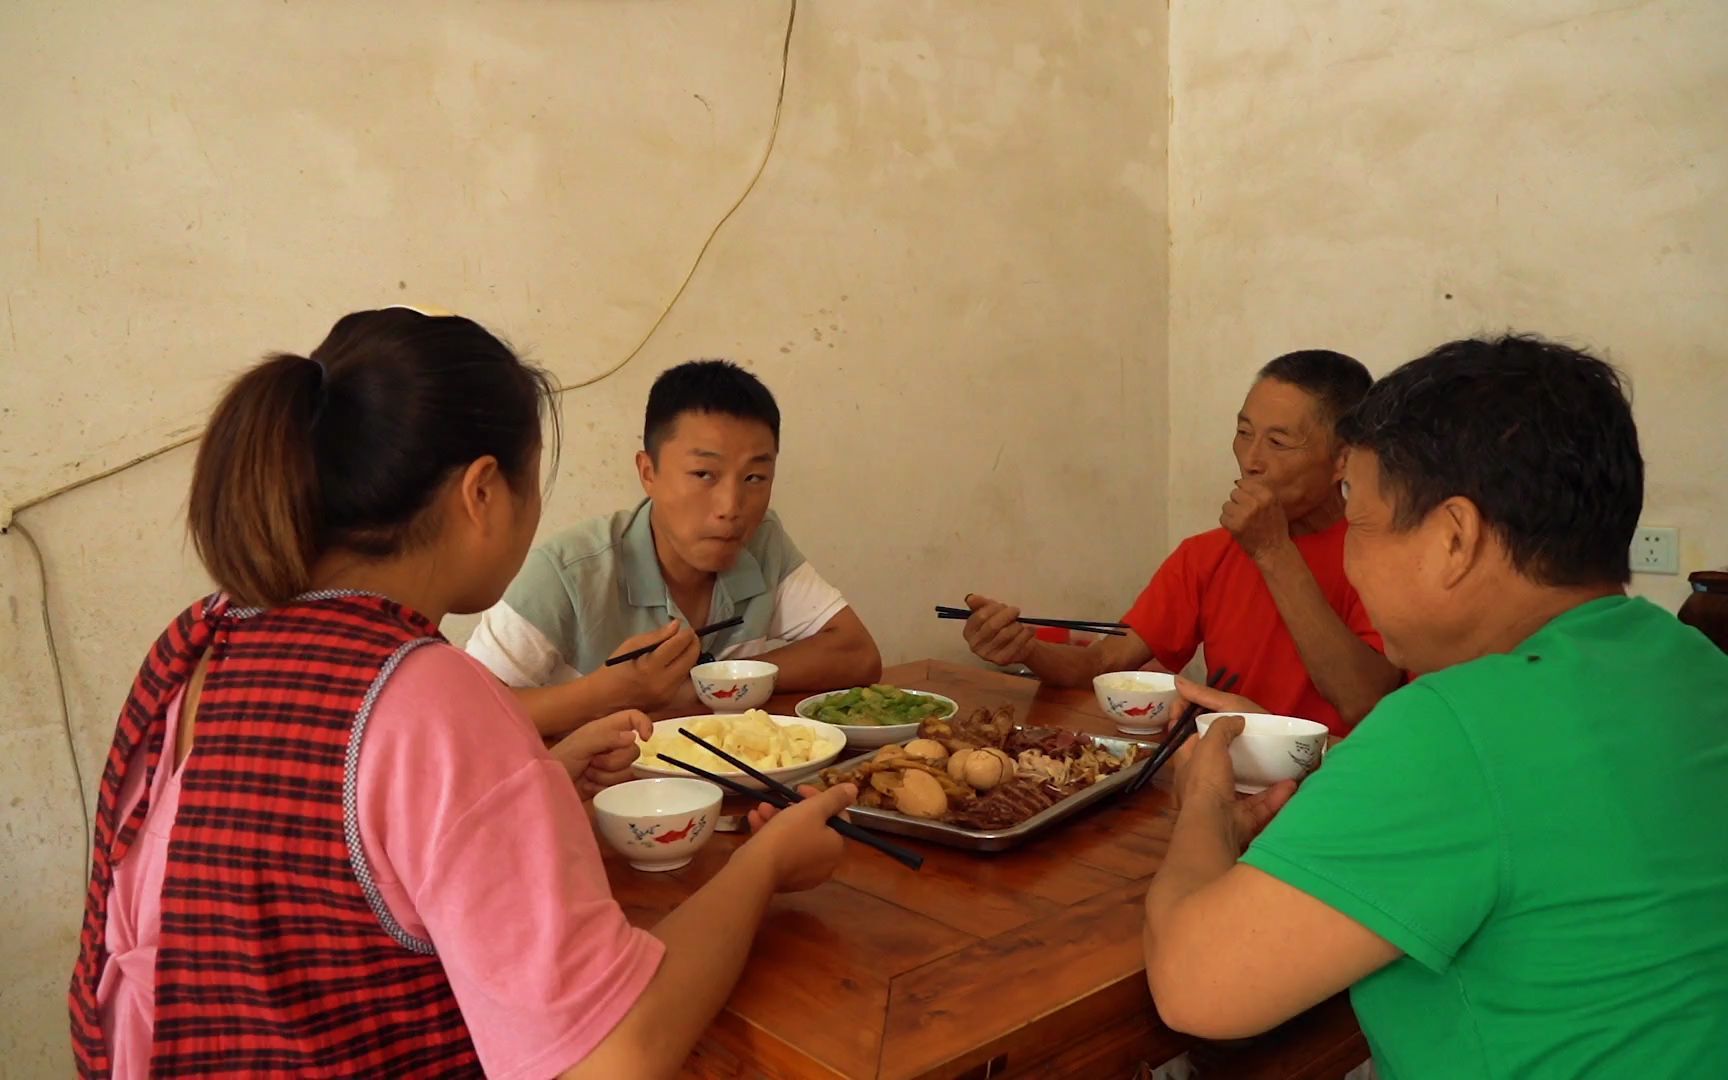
[1655, 550]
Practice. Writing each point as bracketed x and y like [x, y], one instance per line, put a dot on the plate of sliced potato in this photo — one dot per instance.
[787, 748]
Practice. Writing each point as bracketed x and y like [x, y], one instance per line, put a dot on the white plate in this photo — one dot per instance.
[829, 743]
[869, 736]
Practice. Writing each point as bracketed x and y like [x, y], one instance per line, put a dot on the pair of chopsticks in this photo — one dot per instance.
[625, 658]
[1179, 734]
[782, 796]
[1112, 629]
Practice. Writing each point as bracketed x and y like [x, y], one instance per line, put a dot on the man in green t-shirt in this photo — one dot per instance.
[1518, 864]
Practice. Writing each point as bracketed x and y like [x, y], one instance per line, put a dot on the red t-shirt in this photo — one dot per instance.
[1209, 591]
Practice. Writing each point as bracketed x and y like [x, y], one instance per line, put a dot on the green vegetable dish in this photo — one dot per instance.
[876, 706]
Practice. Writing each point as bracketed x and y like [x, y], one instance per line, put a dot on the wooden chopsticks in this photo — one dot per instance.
[1112, 629]
[625, 658]
[1179, 734]
[782, 796]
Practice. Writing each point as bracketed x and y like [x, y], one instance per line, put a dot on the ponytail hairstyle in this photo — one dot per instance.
[346, 448]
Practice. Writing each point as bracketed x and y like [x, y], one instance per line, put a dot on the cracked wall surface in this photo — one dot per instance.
[951, 273]
[1379, 180]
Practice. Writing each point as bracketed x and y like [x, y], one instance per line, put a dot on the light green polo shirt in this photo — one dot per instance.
[583, 592]
[1544, 834]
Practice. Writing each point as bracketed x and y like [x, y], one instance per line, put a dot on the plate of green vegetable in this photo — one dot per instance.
[877, 715]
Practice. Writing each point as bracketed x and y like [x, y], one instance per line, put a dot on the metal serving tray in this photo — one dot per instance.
[940, 832]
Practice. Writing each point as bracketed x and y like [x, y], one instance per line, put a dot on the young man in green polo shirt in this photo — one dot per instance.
[701, 548]
[1518, 863]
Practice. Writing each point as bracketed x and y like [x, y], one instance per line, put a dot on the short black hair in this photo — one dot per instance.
[1538, 435]
[706, 386]
[1336, 381]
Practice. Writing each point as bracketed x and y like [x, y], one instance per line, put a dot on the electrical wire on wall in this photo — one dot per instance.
[12, 524]
[59, 683]
[761, 166]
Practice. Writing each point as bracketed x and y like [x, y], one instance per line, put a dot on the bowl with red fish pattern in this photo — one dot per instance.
[658, 824]
[734, 685]
[1139, 701]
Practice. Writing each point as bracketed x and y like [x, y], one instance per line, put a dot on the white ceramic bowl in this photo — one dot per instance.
[1139, 701]
[1271, 748]
[734, 685]
[658, 824]
[828, 744]
[870, 736]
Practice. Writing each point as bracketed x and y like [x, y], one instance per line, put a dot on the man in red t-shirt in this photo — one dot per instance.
[1265, 593]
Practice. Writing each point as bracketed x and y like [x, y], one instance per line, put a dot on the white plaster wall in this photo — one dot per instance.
[1381, 178]
[952, 274]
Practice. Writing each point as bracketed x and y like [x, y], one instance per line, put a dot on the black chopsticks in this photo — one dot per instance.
[1178, 735]
[782, 796]
[1113, 629]
[625, 658]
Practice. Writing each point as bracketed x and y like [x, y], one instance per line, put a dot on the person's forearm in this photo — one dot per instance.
[825, 662]
[1347, 671]
[707, 940]
[1077, 665]
[1064, 665]
[1203, 848]
[561, 708]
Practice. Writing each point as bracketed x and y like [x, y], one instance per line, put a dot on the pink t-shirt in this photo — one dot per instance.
[478, 842]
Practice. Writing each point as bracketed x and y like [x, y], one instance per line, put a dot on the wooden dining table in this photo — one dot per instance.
[1021, 963]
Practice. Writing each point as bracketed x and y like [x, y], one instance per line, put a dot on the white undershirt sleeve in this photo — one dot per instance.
[515, 650]
[803, 604]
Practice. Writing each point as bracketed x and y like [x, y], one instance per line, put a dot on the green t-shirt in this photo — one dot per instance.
[1544, 834]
